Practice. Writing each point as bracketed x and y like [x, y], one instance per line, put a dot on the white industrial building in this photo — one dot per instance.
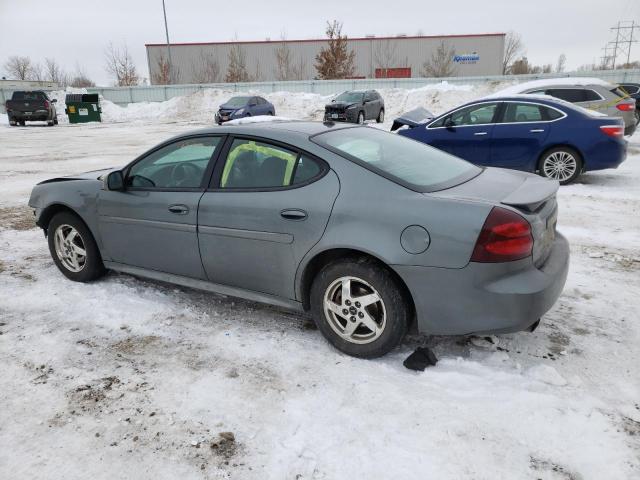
[375, 57]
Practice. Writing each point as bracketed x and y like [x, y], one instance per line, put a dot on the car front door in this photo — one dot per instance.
[152, 224]
[370, 106]
[520, 133]
[466, 132]
[268, 205]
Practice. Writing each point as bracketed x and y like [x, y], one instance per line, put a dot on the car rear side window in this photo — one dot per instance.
[410, 163]
[573, 95]
[528, 112]
[257, 165]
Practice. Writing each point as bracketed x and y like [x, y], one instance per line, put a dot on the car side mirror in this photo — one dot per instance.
[115, 181]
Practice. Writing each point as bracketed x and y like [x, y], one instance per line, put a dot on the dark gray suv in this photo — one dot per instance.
[355, 106]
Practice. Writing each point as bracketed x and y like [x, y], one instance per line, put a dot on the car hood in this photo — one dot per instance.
[343, 105]
[522, 190]
[92, 175]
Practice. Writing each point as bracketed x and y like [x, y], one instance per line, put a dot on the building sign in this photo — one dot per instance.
[467, 58]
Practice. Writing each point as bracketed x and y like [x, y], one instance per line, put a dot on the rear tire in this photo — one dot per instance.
[377, 312]
[360, 120]
[73, 248]
[380, 118]
[55, 121]
[563, 164]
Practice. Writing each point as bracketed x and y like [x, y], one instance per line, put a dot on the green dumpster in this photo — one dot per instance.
[83, 107]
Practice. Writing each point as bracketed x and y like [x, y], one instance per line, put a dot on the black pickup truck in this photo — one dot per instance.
[31, 106]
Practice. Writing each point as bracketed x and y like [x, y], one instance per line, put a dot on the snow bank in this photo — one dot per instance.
[201, 106]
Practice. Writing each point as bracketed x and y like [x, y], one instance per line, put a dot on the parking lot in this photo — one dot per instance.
[125, 377]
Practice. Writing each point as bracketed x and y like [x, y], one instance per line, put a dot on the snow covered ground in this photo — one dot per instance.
[127, 378]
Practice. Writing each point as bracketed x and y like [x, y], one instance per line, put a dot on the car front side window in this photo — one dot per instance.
[179, 165]
[473, 115]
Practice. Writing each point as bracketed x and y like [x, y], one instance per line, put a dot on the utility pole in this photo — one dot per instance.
[166, 30]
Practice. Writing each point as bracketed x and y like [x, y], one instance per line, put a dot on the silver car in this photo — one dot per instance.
[602, 97]
[373, 233]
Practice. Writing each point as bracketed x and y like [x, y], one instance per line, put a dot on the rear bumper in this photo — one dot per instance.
[36, 116]
[484, 297]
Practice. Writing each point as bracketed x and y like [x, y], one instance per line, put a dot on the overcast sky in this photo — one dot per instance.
[77, 31]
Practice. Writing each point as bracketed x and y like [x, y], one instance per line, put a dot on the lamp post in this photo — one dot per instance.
[166, 30]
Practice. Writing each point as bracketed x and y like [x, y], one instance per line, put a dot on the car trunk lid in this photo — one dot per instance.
[533, 197]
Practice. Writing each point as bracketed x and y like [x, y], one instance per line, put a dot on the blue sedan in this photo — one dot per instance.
[534, 134]
[244, 106]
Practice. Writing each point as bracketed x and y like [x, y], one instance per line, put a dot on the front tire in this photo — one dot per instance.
[360, 120]
[562, 164]
[73, 248]
[359, 307]
[380, 118]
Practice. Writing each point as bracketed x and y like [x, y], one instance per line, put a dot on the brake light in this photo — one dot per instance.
[612, 130]
[626, 107]
[46, 104]
[505, 236]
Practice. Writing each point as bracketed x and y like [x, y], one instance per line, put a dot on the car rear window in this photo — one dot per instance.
[410, 163]
[572, 95]
[619, 92]
[28, 96]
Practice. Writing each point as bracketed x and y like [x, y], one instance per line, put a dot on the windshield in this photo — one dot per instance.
[350, 97]
[237, 102]
[410, 163]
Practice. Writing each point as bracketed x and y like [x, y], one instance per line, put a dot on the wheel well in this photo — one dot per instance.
[48, 213]
[329, 256]
[575, 149]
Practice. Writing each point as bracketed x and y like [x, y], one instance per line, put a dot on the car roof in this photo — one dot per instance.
[306, 128]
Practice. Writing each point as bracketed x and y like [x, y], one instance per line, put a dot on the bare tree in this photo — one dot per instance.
[53, 72]
[163, 73]
[206, 69]
[18, 67]
[299, 69]
[120, 65]
[36, 73]
[441, 62]
[513, 48]
[284, 62]
[561, 63]
[386, 56]
[335, 60]
[237, 68]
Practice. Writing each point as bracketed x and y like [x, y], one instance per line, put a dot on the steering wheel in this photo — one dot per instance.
[182, 173]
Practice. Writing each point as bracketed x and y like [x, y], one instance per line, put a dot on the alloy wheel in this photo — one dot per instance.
[560, 165]
[354, 310]
[70, 248]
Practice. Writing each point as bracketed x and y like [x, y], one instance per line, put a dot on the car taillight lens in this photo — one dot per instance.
[505, 236]
[46, 104]
[612, 130]
[626, 107]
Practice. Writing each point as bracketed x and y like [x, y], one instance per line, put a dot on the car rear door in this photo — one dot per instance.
[520, 133]
[152, 223]
[268, 204]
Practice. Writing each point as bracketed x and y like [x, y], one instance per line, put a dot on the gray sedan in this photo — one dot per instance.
[374, 233]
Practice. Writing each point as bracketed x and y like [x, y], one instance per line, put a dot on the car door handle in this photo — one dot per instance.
[179, 209]
[480, 133]
[537, 130]
[293, 214]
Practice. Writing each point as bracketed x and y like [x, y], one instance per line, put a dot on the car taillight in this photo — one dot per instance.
[626, 107]
[505, 236]
[612, 130]
[46, 104]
